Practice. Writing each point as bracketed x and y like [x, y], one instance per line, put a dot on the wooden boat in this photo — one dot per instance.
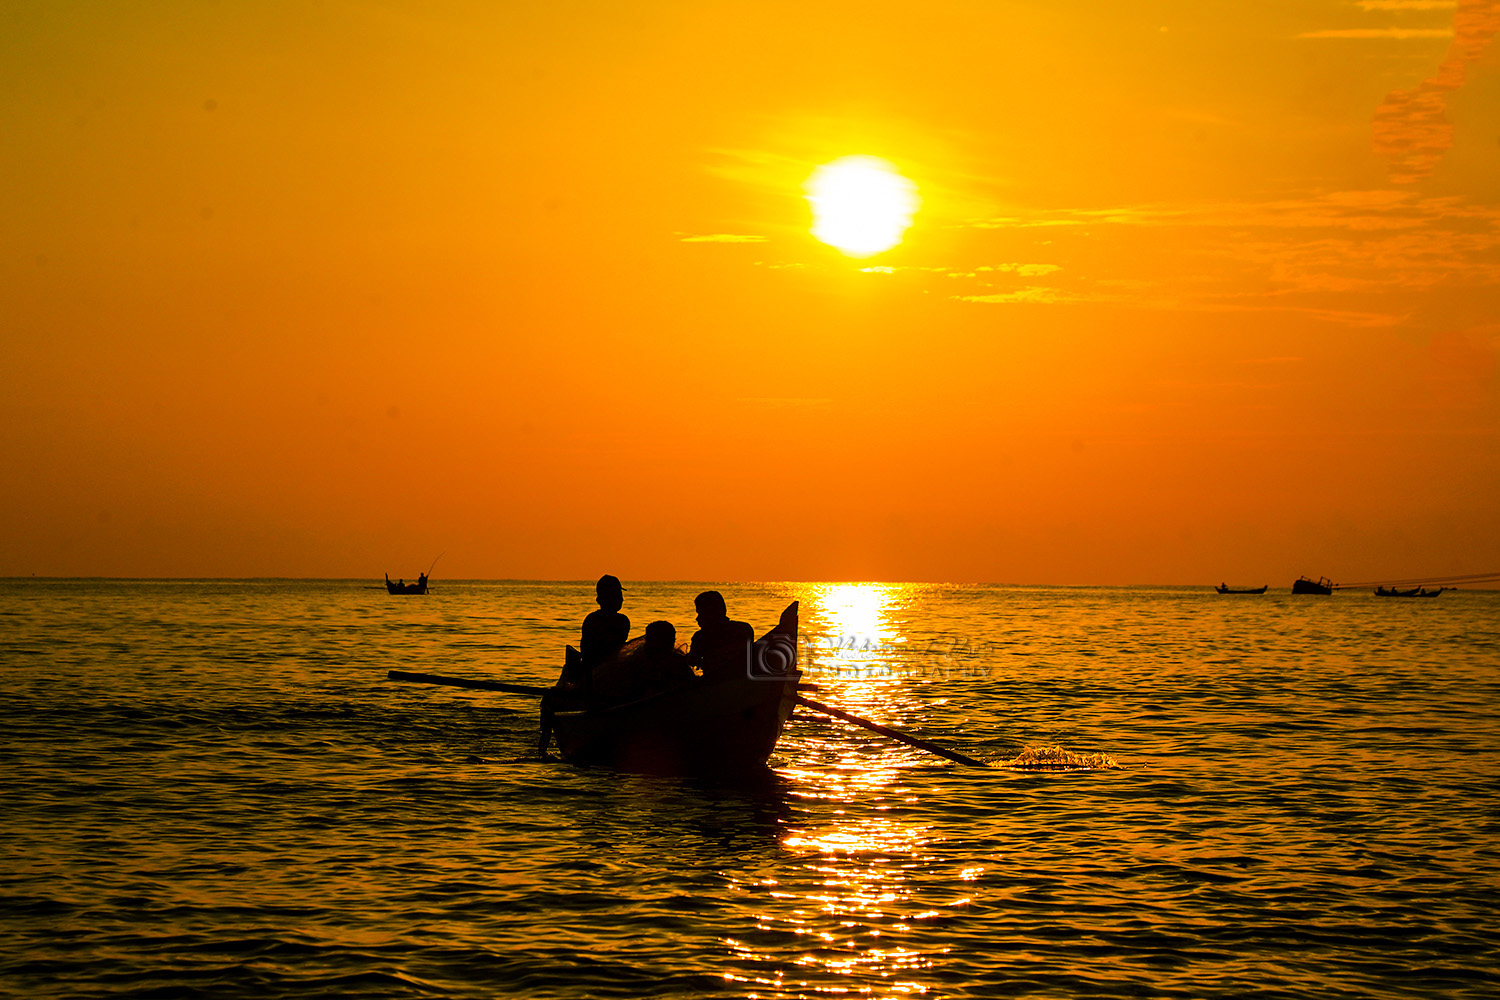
[727, 726]
[1424, 592]
[1393, 592]
[420, 587]
[1222, 589]
[1319, 586]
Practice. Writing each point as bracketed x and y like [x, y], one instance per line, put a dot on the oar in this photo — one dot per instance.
[463, 682]
[894, 734]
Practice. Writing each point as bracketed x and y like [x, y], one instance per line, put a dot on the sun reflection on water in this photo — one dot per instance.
[850, 630]
[849, 911]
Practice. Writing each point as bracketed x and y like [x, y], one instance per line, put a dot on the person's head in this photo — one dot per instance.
[661, 637]
[710, 605]
[609, 593]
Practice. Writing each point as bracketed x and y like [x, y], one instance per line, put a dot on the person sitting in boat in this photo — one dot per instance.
[605, 630]
[646, 666]
[664, 665]
[604, 634]
[721, 647]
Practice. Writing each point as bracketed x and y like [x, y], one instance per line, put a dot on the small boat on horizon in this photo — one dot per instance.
[402, 587]
[1393, 592]
[1304, 585]
[1226, 589]
[1413, 592]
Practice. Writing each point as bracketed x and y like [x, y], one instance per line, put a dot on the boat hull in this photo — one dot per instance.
[727, 727]
[1306, 586]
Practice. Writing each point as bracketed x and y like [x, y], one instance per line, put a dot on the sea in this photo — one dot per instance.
[211, 789]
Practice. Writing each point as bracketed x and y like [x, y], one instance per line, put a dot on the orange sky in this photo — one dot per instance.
[1197, 292]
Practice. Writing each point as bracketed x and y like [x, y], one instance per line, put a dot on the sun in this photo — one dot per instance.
[861, 204]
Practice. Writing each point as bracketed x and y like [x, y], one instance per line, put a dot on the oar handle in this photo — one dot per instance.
[464, 682]
[894, 734]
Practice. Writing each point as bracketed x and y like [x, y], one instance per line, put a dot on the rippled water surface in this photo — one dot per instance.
[211, 790]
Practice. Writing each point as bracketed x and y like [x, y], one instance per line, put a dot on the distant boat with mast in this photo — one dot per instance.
[420, 587]
[1226, 589]
[402, 587]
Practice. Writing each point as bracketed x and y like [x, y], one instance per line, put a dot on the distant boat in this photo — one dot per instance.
[1221, 588]
[1305, 586]
[420, 587]
[1413, 592]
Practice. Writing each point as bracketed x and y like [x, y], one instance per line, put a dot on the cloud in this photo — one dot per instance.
[1366, 211]
[723, 238]
[1397, 33]
[1031, 294]
[1411, 126]
[1024, 270]
[1343, 317]
[1365, 258]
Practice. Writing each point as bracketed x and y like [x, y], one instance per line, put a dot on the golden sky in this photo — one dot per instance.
[1196, 292]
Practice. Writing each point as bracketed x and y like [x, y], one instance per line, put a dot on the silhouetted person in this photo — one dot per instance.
[648, 665]
[664, 666]
[606, 630]
[721, 648]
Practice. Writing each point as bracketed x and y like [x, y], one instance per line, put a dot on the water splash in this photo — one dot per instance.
[1050, 757]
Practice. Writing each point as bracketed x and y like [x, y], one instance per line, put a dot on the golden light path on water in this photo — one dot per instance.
[855, 894]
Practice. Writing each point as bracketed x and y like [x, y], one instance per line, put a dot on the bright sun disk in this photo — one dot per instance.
[861, 204]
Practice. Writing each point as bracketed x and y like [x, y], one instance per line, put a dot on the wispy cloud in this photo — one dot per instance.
[723, 238]
[1031, 294]
[1397, 33]
[1364, 211]
[1411, 126]
[1407, 4]
[1024, 270]
[1354, 258]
